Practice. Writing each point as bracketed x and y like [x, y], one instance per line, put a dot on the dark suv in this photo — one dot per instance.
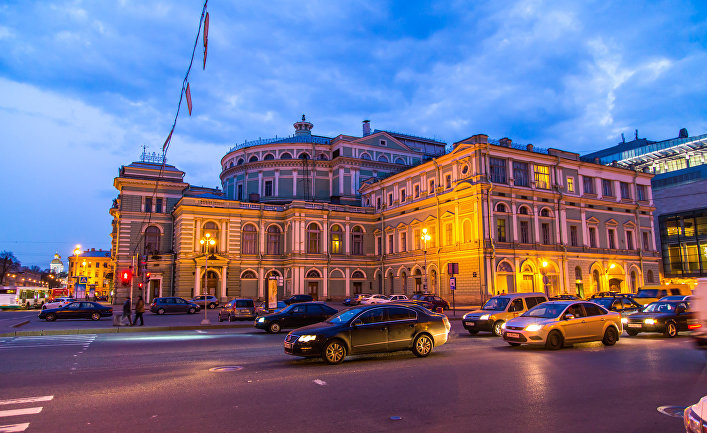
[298, 298]
[237, 309]
[173, 304]
[435, 300]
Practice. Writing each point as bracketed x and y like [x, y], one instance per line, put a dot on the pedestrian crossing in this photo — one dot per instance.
[46, 341]
[18, 412]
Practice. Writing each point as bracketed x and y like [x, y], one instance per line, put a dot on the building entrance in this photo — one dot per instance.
[313, 289]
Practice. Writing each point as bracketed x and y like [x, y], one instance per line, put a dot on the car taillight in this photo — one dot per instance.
[694, 326]
[446, 323]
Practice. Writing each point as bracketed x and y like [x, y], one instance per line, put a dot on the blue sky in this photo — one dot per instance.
[85, 84]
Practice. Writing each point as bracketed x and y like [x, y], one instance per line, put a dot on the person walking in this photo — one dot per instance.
[139, 310]
[126, 311]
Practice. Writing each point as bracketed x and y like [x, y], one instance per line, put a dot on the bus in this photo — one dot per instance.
[23, 297]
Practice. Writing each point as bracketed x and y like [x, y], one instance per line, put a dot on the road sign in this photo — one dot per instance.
[83, 280]
[452, 283]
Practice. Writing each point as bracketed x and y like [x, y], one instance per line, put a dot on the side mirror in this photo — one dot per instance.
[357, 322]
[680, 309]
[569, 316]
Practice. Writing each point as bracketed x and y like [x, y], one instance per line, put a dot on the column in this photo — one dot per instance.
[325, 281]
[223, 247]
[341, 181]
[348, 280]
[294, 183]
[347, 241]
[536, 224]
[354, 181]
[514, 221]
[260, 283]
[585, 232]
[276, 187]
[331, 182]
[224, 279]
[563, 223]
[197, 281]
[260, 183]
[197, 234]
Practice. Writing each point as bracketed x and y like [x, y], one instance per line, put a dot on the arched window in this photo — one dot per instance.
[313, 274]
[313, 236]
[240, 161]
[633, 281]
[212, 229]
[269, 157]
[523, 210]
[231, 165]
[504, 267]
[249, 239]
[399, 161]
[649, 276]
[322, 157]
[357, 241]
[595, 276]
[303, 155]
[336, 239]
[358, 274]
[465, 170]
[382, 158]
[366, 156]
[286, 155]
[500, 207]
[274, 240]
[248, 275]
[253, 159]
[578, 273]
[545, 213]
[152, 240]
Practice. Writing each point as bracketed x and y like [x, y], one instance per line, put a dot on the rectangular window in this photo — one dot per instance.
[542, 177]
[432, 186]
[390, 244]
[497, 167]
[588, 184]
[520, 174]
[625, 191]
[646, 242]
[390, 199]
[148, 204]
[524, 232]
[402, 195]
[612, 239]
[268, 188]
[593, 237]
[545, 227]
[417, 190]
[629, 240]
[379, 246]
[416, 236]
[403, 242]
[378, 203]
[573, 236]
[357, 242]
[239, 196]
[448, 181]
[431, 232]
[641, 193]
[158, 205]
[606, 188]
[449, 234]
[501, 230]
[570, 184]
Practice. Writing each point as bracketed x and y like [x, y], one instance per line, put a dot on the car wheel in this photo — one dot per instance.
[212, 305]
[513, 344]
[611, 336]
[497, 330]
[50, 317]
[160, 311]
[95, 316]
[671, 330]
[422, 346]
[473, 331]
[334, 352]
[632, 332]
[554, 341]
[191, 310]
[274, 328]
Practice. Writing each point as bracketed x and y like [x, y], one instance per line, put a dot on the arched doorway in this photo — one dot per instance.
[433, 281]
[633, 282]
[418, 281]
[313, 287]
[578, 281]
[527, 283]
[209, 282]
[596, 286]
[505, 278]
[404, 279]
[391, 282]
[615, 276]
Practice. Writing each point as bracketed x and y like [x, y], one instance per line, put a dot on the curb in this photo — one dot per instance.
[119, 330]
[17, 325]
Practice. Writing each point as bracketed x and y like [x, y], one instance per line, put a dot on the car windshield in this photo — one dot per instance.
[497, 303]
[246, 303]
[547, 310]
[344, 316]
[604, 302]
[659, 307]
[647, 293]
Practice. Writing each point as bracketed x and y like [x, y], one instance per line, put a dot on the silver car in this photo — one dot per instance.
[554, 324]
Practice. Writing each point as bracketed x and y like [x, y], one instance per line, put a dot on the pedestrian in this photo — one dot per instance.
[126, 311]
[139, 310]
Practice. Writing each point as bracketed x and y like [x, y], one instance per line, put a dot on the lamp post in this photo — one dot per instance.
[206, 241]
[425, 237]
[77, 252]
[606, 273]
[543, 271]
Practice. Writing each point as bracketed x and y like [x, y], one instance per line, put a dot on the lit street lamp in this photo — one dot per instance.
[206, 241]
[425, 237]
[546, 281]
[77, 252]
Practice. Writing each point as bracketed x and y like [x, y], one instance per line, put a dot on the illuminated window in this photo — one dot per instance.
[249, 239]
[336, 236]
[403, 242]
[542, 177]
[570, 184]
[501, 230]
[273, 246]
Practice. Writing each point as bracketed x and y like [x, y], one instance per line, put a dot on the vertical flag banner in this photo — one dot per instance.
[166, 142]
[189, 99]
[206, 36]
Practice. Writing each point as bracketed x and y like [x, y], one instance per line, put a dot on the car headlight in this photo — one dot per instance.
[484, 317]
[533, 328]
[503, 325]
[649, 321]
[465, 316]
[306, 338]
[624, 320]
[261, 319]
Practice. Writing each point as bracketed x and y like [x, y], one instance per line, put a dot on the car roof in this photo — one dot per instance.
[518, 295]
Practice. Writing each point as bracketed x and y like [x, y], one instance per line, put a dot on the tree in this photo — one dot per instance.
[8, 263]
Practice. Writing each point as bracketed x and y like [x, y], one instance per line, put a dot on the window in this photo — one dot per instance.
[588, 184]
[612, 239]
[268, 188]
[545, 213]
[498, 170]
[416, 238]
[269, 157]
[152, 240]
[158, 205]
[416, 190]
[646, 242]
[273, 240]
[357, 241]
[524, 232]
[379, 247]
[239, 197]
[629, 240]
[641, 193]
[573, 236]
[570, 184]
[501, 230]
[383, 142]
[148, 204]
[375, 315]
[402, 195]
[403, 241]
[500, 207]
[382, 158]
[593, 237]
[378, 203]
[366, 156]
[448, 234]
[286, 155]
[606, 188]
[253, 159]
[542, 177]
[625, 190]
[520, 174]
[390, 244]
[516, 305]
[212, 229]
[390, 199]
[432, 186]
[448, 181]
[336, 236]
[545, 227]
[313, 239]
[400, 313]
[649, 276]
[465, 170]
[523, 210]
[249, 242]
[592, 309]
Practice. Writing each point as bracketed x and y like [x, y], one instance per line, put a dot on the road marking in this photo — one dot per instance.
[27, 400]
[13, 428]
[47, 341]
[319, 382]
[25, 411]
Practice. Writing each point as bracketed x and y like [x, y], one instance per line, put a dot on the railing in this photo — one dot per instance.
[289, 139]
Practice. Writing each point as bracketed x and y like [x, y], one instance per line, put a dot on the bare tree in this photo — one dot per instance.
[8, 263]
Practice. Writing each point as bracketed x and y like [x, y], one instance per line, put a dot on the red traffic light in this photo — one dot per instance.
[126, 276]
[139, 285]
[147, 275]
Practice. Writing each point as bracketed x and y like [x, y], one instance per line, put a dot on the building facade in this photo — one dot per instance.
[96, 266]
[337, 216]
[56, 266]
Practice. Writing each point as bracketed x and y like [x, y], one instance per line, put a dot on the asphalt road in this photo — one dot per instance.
[160, 382]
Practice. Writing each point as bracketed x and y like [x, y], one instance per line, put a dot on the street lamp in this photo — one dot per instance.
[206, 241]
[543, 271]
[77, 252]
[425, 237]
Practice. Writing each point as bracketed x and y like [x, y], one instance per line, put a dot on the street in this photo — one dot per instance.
[162, 382]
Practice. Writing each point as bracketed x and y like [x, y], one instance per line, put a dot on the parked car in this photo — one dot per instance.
[262, 309]
[356, 299]
[77, 310]
[374, 299]
[396, 298]
[667, 317]
[423, 304]
[298, 298]
[648, 294]
[687, 298]
[370, 329]
[556, 323]
[609, 294]
[173, 304]
[436, 301]
[295, 316]
[237, 309]
[563, 297]
[58, 302]
[210, 301]
[499, 309]
[620, 304]
[698, 324]
[695, 417]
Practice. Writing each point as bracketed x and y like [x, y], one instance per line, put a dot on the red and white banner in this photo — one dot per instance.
[189, 99]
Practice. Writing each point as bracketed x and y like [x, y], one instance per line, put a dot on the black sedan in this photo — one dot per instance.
[370, 329]
[436, 301]
[77, 310]
[667, 317]
[294, 299]
[620, 304]
[294, 316]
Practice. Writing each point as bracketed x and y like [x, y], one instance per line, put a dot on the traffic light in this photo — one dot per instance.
[126, 276]
[139, 285]
[147, 276]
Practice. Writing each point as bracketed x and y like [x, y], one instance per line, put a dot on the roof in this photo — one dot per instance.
[153, 166]
[303, 138]
[642, 150]
[99, 254]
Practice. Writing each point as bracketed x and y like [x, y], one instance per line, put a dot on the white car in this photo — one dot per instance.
[58, 303]
[375, 299]
[695, 417]
[393, 298]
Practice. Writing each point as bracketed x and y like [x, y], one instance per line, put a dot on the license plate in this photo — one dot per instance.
[245, 311]
[470, 324]
[634, 325]
[288, 345]
[512, 335]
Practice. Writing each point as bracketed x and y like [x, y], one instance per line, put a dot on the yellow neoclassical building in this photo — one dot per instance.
[96, 266]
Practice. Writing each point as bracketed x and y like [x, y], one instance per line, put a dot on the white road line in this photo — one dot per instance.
[25, 411]
[27, 400]
[13, 428]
